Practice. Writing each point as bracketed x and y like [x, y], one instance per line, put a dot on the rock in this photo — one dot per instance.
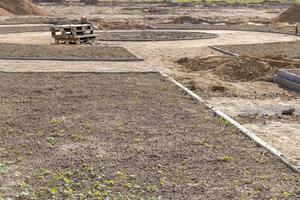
[288, 111]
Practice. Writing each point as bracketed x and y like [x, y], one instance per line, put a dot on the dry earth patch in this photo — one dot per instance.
[89, 135]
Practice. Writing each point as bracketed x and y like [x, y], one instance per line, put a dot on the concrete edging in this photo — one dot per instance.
[223, 51]
[240, 127]
[287, 83]
[289, 76]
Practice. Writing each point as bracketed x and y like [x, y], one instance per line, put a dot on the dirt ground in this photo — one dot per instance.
[257, 103]
[153, 36]
[82, 135]
[245, 92]
[280, 49]
[158, 12]
[11, 50]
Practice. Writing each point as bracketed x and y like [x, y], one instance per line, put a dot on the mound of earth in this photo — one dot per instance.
[19, 7]
[4, 12]
[186, 19]
[229, 68]
[290, 15]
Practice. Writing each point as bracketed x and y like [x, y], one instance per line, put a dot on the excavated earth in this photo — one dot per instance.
[235, 69]
[125, 136]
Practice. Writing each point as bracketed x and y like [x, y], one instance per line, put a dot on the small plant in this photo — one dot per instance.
[206, 145]
[285, 194]
[162, 182]
[56, 122]
[109, 182]
[225, 158]
[223, 121]
[151, 188]
[77, 137]
[87, 126]
[120, 174]
[3, 168]
[51, 142]
[53, 190]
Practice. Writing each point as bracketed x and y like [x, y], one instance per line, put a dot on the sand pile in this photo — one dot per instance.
[19, 7]
[291, 15]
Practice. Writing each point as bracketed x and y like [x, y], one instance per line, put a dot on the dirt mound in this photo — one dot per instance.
[20, 7]
[229, 68]
[186, 19]
[290, 15]
[4, 12]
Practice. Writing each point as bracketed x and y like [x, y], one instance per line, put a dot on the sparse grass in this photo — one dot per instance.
[172, 143]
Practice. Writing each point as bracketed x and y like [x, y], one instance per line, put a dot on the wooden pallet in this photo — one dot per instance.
[73, 34]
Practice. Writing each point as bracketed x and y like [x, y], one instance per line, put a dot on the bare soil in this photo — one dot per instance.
[276, 49]
[291, 15]
[86, 135]
[153, 36]
[243, 88]
[9, 50]
[21, 7]
[22, 29]
[259, 27]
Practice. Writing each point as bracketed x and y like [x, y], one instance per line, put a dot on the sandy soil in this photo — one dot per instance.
[132, 136]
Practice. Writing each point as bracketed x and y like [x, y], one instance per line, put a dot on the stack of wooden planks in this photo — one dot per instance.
[73, 34]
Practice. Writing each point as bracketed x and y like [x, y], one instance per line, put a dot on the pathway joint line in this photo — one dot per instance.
[240, 127]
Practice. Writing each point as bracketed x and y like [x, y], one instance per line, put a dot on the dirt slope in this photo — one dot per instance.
[290, 15]
[20, 7]
[4, 12]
